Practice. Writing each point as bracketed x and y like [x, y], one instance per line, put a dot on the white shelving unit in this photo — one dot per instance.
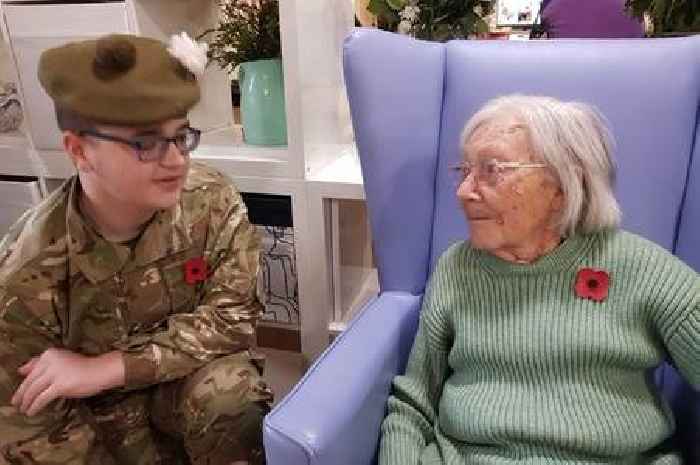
[311, 31]
[318, 169]
[347, 279]
[15, 195]
[16, 160]
[354, 276]
[13, 145]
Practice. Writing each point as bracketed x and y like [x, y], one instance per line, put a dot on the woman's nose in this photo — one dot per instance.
[467, 189]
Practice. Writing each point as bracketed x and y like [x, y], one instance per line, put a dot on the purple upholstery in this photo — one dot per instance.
[403, 131]
[577, 19]
[628, 80]
[409, 100]
[325, 419]
[688, 246]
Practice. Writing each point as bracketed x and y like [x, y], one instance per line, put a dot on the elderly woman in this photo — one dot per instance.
[537, 335]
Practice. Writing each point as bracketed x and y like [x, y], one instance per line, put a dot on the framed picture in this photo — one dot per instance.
[517, 12]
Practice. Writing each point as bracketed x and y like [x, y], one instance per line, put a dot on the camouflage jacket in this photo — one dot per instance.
[63, 285]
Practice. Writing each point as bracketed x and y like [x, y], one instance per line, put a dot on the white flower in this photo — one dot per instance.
[410, 14]
[404, 27]
[192, 55]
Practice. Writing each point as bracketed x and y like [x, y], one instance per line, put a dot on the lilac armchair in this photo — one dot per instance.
[409, 100]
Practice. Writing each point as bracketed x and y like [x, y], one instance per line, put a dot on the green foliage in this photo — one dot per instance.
[247, 31]
[385, 14]
[438, 20]
[668, 16]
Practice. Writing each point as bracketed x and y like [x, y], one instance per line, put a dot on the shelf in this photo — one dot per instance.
[15, 153]
[345, 167]
[354, 277]
[16, 197]
[342, 177]
[228, 143]
[56, 164]
[225, 149]
[14, 139]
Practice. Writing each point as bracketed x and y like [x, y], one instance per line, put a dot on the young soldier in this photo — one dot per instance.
[127, 297]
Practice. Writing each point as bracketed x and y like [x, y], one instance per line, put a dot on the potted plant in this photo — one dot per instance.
[247, 38]
[438, 20]
[677, 17]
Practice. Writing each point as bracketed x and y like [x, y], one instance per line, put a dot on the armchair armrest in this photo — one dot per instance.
[685, 402]
[333, 415]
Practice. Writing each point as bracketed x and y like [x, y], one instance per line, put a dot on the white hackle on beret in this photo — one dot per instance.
[192, 54]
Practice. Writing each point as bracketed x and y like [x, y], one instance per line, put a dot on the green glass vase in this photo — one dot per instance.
[262, 102]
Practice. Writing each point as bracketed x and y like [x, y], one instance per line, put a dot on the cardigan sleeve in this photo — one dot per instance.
[676, 305]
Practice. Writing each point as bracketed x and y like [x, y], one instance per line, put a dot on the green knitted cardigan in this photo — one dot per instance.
[511, 365]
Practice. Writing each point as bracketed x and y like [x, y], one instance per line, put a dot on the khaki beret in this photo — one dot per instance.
[118, 79]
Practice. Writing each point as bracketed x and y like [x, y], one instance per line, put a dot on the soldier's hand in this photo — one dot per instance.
[60, 373]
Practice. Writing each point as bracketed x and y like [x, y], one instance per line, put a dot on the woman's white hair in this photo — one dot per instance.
[573, 139]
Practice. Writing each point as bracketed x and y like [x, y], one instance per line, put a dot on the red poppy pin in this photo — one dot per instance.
[195, 270]
[592, 284]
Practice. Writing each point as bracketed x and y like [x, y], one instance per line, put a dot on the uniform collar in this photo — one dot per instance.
[99, 259]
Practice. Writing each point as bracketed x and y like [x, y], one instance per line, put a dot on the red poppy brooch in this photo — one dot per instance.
[592, 284]
[195, 270]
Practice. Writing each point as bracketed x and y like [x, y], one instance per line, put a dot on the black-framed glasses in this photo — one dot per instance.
[152, 147]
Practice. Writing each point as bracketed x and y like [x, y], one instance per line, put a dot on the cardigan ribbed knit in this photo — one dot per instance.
[511, 367]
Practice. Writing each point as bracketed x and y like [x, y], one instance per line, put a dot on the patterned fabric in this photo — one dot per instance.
[63, 285]
[277, 283]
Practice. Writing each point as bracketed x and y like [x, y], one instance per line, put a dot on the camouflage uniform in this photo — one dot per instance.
[192, 375]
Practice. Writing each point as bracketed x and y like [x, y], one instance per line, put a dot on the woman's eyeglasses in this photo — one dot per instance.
[490, 172]
[152, 147]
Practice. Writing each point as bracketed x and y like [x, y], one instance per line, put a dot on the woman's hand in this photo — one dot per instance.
[62, 374]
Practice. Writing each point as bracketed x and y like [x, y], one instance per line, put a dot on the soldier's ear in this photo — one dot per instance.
[74, 146]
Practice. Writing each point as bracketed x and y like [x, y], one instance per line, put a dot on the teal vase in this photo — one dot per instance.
[262, 102]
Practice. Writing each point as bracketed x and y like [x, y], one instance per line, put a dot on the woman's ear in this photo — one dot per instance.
[74, 146]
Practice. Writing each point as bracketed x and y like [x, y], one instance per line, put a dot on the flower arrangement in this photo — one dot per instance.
[438, 20]
[248, 30]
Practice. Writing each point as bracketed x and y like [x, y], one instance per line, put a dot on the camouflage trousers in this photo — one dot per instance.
[213, 416]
